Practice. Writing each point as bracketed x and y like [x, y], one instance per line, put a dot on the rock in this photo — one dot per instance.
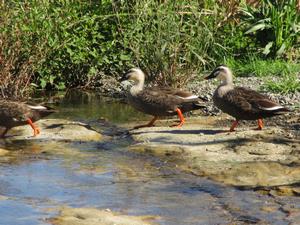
[56, 129]
[3, 152]
[3, 198]
[243, 158]
[92, 216]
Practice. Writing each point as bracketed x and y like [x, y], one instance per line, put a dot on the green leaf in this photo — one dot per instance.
[268, 47]
[281, 49]
[43, 83]
[256, 27]
[125, 57]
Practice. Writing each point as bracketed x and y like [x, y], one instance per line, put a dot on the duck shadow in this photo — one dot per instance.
[230, 141]
[227, 142]
[179, 131]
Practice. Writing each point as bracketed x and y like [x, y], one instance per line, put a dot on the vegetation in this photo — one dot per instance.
[275, 25]
[70, 43]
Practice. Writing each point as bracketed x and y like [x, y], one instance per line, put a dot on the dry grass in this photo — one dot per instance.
[15, 71]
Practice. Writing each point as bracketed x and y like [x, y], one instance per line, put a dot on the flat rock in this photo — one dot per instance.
[92, 216]
[246, 157]
[56, 129]
[3, 152]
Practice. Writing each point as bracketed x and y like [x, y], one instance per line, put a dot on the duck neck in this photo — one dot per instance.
[227, 80]
[137, 87]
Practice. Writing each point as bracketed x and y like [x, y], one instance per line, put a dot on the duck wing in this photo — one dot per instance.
[251, 101]
[168, 99]
[17, 111]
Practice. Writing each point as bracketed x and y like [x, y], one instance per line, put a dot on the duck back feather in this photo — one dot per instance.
[163, 101]
[247, 104]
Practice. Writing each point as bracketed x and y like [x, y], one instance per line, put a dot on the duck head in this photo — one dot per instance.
[222, 72]
[138, 77]
[135, 74]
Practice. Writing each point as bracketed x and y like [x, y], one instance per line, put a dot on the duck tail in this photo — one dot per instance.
[199, 105]
[42, 110]
[192, 105]
[281, 111]
[276, 110]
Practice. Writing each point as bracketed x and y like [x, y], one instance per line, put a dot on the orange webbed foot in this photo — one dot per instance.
[260, 124]
[233, 126]
[36, 130]
[181, 118]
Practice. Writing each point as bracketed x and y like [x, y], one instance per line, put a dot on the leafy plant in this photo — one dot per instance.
[63, 44]
[276, 24]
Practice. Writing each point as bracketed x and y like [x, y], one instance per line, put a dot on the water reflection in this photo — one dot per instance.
[90, 106]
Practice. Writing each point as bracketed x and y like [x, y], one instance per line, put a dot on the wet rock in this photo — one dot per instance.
[3, 198]
[3, 152]
[285, 191]
[247, 157]
[57, 129]
[92, 216]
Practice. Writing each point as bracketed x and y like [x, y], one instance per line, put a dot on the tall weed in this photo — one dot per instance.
[21, 50]
[172, 40]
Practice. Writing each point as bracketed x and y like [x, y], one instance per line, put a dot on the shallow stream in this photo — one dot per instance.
[35, 183]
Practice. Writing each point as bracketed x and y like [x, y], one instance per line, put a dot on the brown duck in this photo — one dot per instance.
[159, 101]
[14, 114]
[242, 103]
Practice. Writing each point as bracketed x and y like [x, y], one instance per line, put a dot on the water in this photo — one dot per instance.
[35, 184]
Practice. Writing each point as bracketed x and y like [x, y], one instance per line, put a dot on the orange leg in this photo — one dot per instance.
[234, 124]
[180, 117]
[260, 124]
[150, 124]
[36, 130]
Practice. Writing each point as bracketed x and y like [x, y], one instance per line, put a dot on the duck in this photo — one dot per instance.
[159, 101]
[242, 103]
[15, 113]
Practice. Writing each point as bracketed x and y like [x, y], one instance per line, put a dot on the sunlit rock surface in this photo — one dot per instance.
[56, 129]
[92, 216]
[246, 157]
[3, 152]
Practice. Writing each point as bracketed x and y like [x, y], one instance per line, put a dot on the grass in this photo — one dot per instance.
[262, 68]
[287, 72]
[287, 84]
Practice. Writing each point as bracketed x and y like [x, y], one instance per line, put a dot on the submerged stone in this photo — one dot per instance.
[92, 216]
[57, 129]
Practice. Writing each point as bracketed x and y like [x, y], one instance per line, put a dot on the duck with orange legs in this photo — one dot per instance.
[242, 103]
[159, 101]
[13, 113]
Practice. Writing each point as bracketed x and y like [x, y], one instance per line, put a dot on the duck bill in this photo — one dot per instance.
[210, 76]
[123, 78]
